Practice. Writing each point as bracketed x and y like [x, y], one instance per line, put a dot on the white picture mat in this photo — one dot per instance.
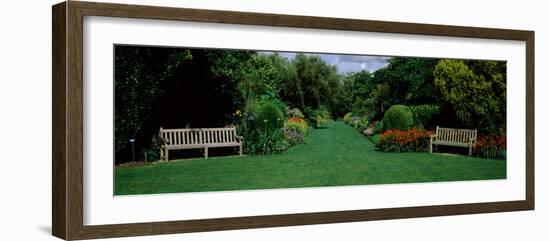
[101, 207]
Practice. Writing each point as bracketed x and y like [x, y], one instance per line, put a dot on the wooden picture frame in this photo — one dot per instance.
[67, 124]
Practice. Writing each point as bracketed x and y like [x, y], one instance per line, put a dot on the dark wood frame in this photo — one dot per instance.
[67, 123]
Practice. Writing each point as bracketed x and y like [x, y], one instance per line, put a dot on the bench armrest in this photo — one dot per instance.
[240, 138]
[434, 135]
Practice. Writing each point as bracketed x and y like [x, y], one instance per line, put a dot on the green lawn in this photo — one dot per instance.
[333, 156]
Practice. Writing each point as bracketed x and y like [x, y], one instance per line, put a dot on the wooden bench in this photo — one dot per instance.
[454, 137]
[177, 139]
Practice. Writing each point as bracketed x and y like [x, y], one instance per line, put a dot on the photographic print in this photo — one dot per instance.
[284, 120]
[199, 119]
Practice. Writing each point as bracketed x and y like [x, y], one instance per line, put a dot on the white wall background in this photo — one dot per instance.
[25, 120]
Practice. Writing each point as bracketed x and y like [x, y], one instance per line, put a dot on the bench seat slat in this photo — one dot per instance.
[195, 146]
[450, 143]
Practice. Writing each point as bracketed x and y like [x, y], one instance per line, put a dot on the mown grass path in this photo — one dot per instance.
[334, 156]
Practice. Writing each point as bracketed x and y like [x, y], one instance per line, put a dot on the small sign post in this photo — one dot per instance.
[132, 140]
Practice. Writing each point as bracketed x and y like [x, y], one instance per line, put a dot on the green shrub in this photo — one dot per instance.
[362, 124]
[295, 112]
[271, 142]
[398, 117]
[379, 127]
[359, 123]
[321, 116]
[423, 114]
[261, 127]
[347, 117]
[152, 153]
[268, 115]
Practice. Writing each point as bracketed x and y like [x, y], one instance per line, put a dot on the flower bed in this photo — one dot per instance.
[490, 147]
[295, 130]
[412, 140]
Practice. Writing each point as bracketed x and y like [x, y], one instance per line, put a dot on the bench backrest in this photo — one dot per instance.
[179, 137]
[455, 135]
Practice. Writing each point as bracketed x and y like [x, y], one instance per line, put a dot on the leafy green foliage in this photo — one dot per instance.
[423, 114]
[317, 83]
[398, 117]
[268, 115]
[355, 88]
[140, 75]
[409, 79]
[359, 123]
[476, 90]
[258, 77]
[262, 127]
[347, 117]
[379, 127]
[253, 90]
[270, 142]
[320, 116]
[295, 112]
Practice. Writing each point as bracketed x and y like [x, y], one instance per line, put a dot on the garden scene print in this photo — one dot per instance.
[196, 119]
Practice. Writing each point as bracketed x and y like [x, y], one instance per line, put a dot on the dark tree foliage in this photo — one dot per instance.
[403, 81]
[354, 90]
[317, 82]
[172, 88]
[410, 80]
[141, 75]
[477, 92]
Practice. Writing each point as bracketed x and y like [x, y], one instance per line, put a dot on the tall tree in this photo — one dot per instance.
[319, 82]
[409, 79]
[140, 74]
[476, 90]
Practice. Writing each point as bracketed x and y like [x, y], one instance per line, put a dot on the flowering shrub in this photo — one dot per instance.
[295, 129]
[490, 147]
[297, 123]
[412, 140]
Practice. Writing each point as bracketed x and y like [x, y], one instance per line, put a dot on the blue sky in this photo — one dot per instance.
[345, 63]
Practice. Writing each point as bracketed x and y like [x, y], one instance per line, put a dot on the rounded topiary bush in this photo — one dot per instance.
[398, 117]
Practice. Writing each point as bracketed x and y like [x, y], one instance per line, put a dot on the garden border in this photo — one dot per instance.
[67, 119]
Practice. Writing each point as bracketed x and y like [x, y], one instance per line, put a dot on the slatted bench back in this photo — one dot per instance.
[452, 135]
[202, 136]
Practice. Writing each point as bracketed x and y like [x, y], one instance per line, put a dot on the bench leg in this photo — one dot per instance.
[205, 152]
[166, 154]
[241, 150]
[161, 156]
[470, 152]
